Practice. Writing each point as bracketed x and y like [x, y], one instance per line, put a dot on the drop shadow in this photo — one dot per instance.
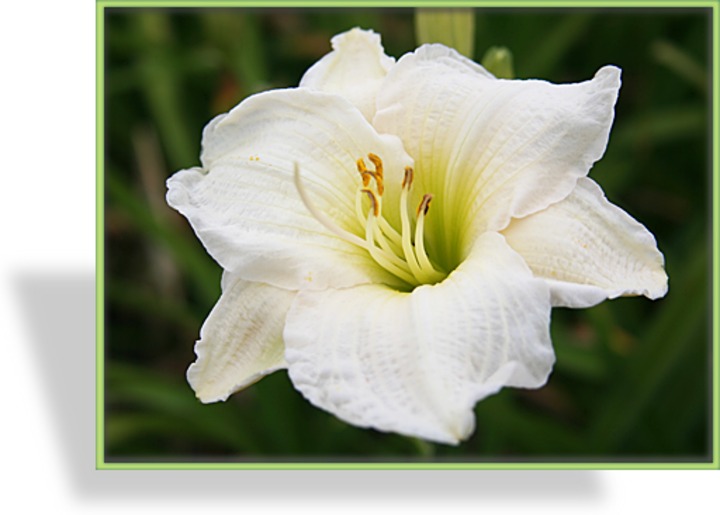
[59, 310]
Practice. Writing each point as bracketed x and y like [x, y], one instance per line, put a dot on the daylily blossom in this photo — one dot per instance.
[395, 234]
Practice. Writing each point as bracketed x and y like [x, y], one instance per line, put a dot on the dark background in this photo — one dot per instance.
[632, 377]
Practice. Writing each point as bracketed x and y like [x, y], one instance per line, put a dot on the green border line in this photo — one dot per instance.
[101, 5]
[715, 60]
[411, 3]
[407, 466]
[100, 235]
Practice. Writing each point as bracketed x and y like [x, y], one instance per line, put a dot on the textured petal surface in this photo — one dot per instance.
[589, 250]
[244, 205]
[241, 340]
[354, 69]
[416, 363]
[492, 149]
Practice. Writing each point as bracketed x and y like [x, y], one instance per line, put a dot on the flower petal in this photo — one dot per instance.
[493, 149]
[354, 69]
[416, 363]
[589, 250]
[241, 340]
[245, 207]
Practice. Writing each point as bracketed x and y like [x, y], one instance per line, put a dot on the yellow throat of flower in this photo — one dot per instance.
[402, 253]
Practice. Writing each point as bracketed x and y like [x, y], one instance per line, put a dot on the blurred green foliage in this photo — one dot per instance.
[632, 377]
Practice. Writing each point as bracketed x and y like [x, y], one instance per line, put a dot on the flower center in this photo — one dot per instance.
[402, 253]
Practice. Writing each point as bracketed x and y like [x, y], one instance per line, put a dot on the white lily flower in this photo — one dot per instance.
[396, 234]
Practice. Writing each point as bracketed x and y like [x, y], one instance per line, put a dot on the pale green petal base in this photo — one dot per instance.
[489, 149]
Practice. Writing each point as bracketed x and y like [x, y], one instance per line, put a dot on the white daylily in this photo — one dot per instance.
[388, 310]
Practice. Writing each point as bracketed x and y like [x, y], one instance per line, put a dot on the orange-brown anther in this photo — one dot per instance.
[408, 178]
[424, 204]
[366, 176]
[373, 201]
[364, 172]
[377, 162]
[378, 175]
[380, 183]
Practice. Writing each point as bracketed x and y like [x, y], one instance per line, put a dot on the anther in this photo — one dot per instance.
[408, 178]
[364, 172]
[424, 204]
[377, 174]
[377, 162]
[366, 176]
[373, 201]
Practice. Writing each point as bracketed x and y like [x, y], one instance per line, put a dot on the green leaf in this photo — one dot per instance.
[240, 38]
[162, 87]
[506, 425]
[187, 253]
[551, 50]
[665, 124]
[674, 333]
[451, 27]
[139, 392]
[680, 62]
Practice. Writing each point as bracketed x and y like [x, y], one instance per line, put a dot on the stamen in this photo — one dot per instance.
[424, 204]
[373, 201]
[366, 176]
[387, 236]
[379, 178]
[377, 162]
[377, 175]
[364, 172]
[380, 228]
[405, 225]
[432, 274]
[380, 257]
[408, 177]
[394, 251]
[390, 232]
[392, 254]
